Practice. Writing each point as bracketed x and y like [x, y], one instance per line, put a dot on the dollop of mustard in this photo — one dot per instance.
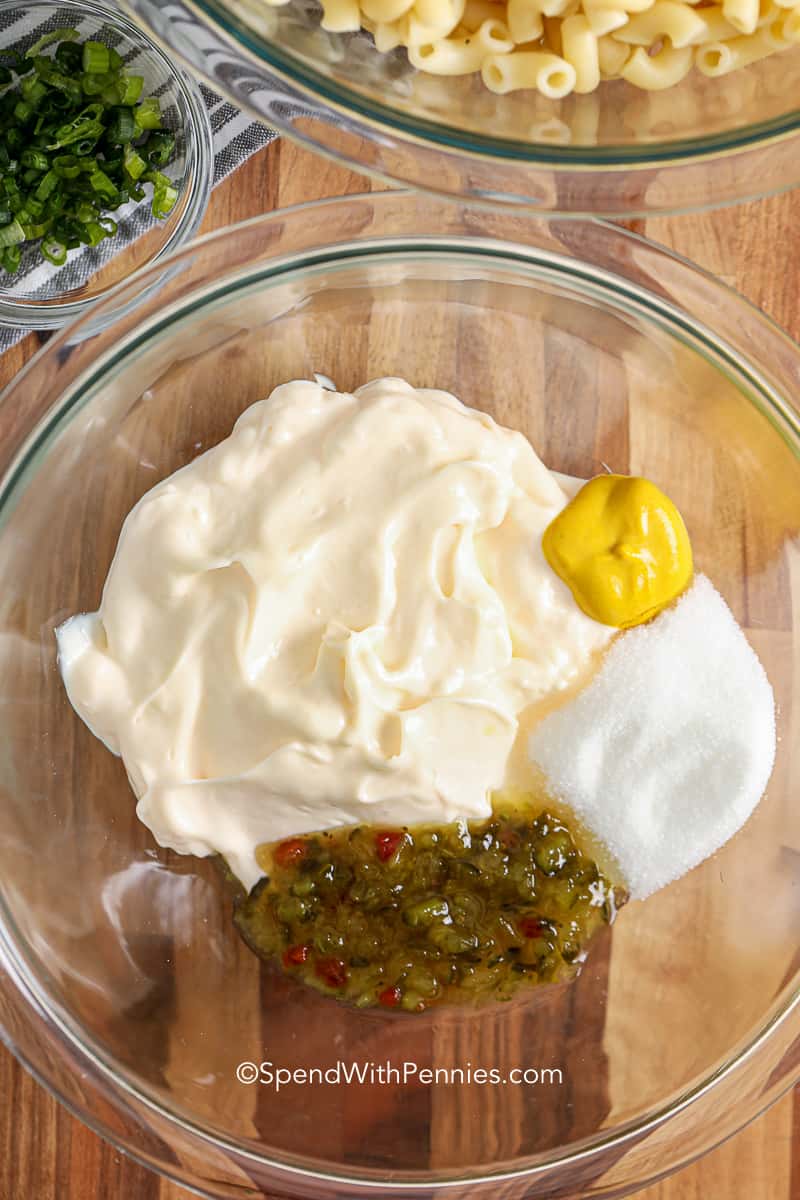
[622, 548]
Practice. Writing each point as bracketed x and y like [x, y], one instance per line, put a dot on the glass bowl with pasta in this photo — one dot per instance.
[573, 107]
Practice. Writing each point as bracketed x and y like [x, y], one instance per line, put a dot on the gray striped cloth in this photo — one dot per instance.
[236, 137]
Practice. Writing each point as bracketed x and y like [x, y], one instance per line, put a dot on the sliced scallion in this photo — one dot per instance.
[77, 141]
[95, 58]
[12, 234]
[121, 126]
[54, 251]
[148, 114]
[55, 35]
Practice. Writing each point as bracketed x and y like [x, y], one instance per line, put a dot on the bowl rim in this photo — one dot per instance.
[32, 315]
[381, 118]
[26, 983]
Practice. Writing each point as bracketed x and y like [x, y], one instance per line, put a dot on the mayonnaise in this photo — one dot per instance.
[337, 615]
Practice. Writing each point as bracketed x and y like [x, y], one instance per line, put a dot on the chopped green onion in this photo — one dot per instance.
[54, 251]
[77, 141]
[160, 149]
[10, 258]
[66, 166]
[85, 126]
[35, 158]
[85, 212]
[64, 100]
[48, 185]
[11, 234]
[164, 195]
[130, 89]
[110, 94]
[55, 35]
[95, 58]
[121, 126]
[101, 184]
[93, 85]
[48, 76]
[135, 166]
[94, 233]
[113, 159]
[69, 57]
[148, 114]
[85, 146]
[33, 90]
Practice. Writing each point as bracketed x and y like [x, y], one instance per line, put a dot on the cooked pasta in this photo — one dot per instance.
[681, 23]
[549, 74]
[450, 56]
[559, 47]
[579, 47]
[612, 56]
[791, 26]
[605, 20]
[341, 16]
[384, 12]
[742, 14]
[654, 72]
[720, 58]
[525, 20]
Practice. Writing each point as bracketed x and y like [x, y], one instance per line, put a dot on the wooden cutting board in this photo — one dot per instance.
[45, 1154]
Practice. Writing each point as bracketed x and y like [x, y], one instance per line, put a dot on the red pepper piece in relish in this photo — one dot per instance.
[390, 997]
[332, 971]
[290, 852]
[295, 956]
[532, 927]
[387, 843]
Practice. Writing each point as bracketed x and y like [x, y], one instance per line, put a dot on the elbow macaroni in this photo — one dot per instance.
[548, 73]
[341, 16]
[579, 47]
[558, 47]
[654, 72]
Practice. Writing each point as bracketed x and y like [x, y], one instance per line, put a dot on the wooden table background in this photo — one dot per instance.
[45, 1154]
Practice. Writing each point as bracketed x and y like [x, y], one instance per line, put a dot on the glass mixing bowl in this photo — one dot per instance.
[124, 986]
[617, 152]
[47, 296]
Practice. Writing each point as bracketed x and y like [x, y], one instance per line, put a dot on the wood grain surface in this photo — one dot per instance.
[45, 1154]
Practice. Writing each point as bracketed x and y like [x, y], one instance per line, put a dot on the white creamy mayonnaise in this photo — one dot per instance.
[337, 615]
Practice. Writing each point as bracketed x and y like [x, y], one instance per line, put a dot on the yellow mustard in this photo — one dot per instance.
[622, 548]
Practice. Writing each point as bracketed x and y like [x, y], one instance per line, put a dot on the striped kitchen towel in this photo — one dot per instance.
[236, 137]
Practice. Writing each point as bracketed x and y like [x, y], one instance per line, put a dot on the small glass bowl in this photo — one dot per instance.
[123, 984]
[46, 296]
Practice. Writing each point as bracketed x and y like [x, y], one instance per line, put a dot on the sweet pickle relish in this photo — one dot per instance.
[406, 918]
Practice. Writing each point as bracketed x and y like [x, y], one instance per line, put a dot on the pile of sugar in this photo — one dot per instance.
[668, 750]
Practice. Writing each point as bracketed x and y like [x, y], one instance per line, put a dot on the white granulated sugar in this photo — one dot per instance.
[666, 753]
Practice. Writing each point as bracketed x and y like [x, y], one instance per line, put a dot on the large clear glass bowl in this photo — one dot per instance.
[124, 987]
[616, 152]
